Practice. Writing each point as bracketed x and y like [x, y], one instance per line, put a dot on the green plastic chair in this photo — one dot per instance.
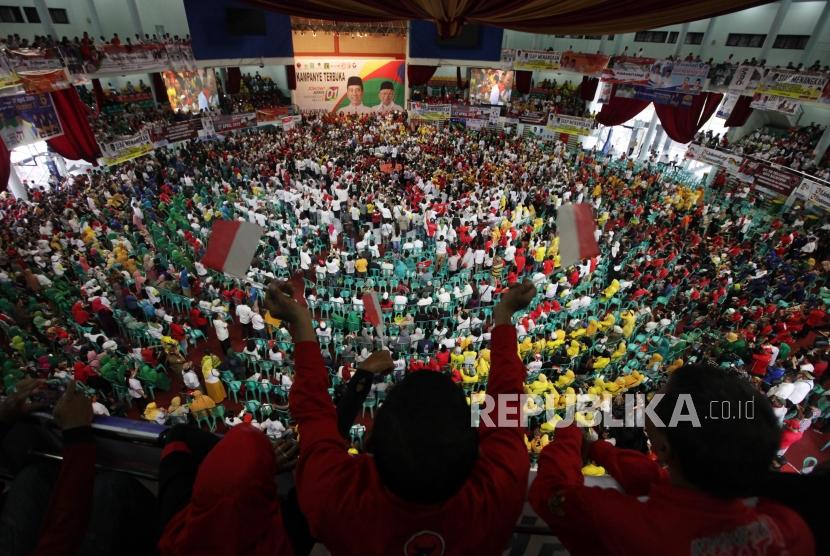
[251, 389]
[235, 386]
[218, 414]
[252, 406]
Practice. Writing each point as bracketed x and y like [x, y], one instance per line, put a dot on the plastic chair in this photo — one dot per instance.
[252, 406]
[218, 414]
[370, 403]
[265, 389]
[235, 386]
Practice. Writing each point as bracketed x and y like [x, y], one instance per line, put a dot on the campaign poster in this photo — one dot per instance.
[628, 69]
[786, 105]
[191, 91]
[224, 124]
[657, 96]
[272, 115]
[487, 114]
[128, 148]
[727, 160]
[584, 63]
[799, 85]
[726, 107]
[118, 59]
[490, 86]
[720, 76]
[432, 112]
[26, 119]
[349, 86]
[570, 125]
[678, 77]
[746, 78]
[531, 60]
[772, 182]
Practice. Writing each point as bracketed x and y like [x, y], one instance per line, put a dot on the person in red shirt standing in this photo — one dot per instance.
[692, 507]
[430, 473]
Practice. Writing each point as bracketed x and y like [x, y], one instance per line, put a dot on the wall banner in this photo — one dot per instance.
[531, 60]
[224, 124]
[800, 85]
[726, 160]
[126, 149]
[273, 115]
[434, 112]
[726, 107]
[678, 77]
[772, 182]
[657, 96]
[584, 63]
[26, 119]
[570, 125]
[349, 86]
[628, 69]
[489, 114]
[746, 78]
[786, 105]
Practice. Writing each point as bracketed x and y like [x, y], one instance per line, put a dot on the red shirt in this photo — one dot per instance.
[670, 520]
[347, 506]
[176, 332]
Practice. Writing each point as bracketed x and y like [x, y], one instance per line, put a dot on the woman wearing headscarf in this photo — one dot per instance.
[214, 387]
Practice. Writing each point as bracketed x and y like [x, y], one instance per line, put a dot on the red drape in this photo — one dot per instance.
[159, 88]
[234, 81]
[98, 92]
[740, 112]
[5, 164]
[524, 81]
[680, 123]
[588, 88]
[419, 75]
[291, 77]
[619, 110]
[77, 141]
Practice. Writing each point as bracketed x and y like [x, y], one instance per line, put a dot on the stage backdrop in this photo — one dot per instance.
[322, 84]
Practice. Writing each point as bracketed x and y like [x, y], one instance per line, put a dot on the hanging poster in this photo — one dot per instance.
[175, 132]
[800, 85]
[678, 77]
[128, 148]
[272, 115]
[508, 56]
[28, 119]
[434, 112]
[746, 78]
[787, 105]
[531, 60]
[770, 181]
[605, 90]
[488, 114]
[224, 124]
[628, 69]
[39, 70]
[727, 160]
[112, 59]
[584, 63]
[349, 86]
[720, 76]
[657, 96]
[570, 125]
[726, 107]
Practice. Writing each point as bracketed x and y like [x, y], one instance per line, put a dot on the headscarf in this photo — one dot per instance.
[235, 488]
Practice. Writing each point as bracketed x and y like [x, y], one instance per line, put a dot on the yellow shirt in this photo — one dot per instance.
[361, 265]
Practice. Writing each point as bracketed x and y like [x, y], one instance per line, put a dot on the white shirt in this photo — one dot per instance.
[801, 388]
[190, 379]
[782, 391]
[244, 313]
[221, 328]
[99, 409]
[274, 429]
[257, 322]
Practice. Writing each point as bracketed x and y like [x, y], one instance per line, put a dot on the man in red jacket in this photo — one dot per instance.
[694, 506]
[430, 474]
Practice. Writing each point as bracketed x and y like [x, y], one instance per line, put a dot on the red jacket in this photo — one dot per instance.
[350, 511]
[670, 520]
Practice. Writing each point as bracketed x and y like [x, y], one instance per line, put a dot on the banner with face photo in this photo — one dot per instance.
[800, 85]
[726, 107]
[678, 77]
[657, 96]
[349, 86]
[628, 69]
[128, 148]
[531, 60]
[26, 119]
[720, 76]
[570, 125]
[786, 105]
[584, 63]
[746, 78]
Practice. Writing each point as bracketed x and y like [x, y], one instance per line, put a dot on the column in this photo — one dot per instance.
[707, 38]
[406, 85]
[95, 21]
[16, 186]
[681, 39]
[133, 8]
[783, 8]
[652, 126]
[658, 136]
[810, 49]
[603, 43]
[45, 18]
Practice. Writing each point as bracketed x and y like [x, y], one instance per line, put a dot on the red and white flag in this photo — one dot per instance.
[231, 246]
[576, 226]
[371, 308]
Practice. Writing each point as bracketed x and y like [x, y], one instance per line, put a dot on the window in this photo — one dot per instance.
[58, 15]
[11, 14]
[673, 37]
[694, 38]
[792, 42]
[746, 40]
[31, 15]
[651, 36]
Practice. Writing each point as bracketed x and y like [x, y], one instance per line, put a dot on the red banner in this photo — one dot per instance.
[44, 81]
[222, 124]
[272, 115]
[582, 62]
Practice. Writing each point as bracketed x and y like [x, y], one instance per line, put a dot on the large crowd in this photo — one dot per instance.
[102, 284]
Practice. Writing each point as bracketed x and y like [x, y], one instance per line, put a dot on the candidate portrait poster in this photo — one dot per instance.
[27, 119]
[349, 85]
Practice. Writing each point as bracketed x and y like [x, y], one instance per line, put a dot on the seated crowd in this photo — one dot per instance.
[694, 292]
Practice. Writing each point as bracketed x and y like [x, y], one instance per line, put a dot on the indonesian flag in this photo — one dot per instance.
[231, 246]
[576, 227]
[372, 313]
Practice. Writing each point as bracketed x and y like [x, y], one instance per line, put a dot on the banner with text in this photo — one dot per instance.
[746, 79]
[793, 84]
[531, 60]
[678, 77]
[581, 62]
[28, 119]
[726, 107]
[349, 86]
[772, 182]
[726, 160]
[628, 69]
[489, 114]
[570, 125]
[273, 115]
[223, 124]
[434, 112]
[786, 105]
[657, 96]
[175, 132]
[720, 76]
[126, 149]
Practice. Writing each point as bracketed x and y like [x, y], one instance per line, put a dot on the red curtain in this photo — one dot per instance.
[159, 88]
[5, 164]
[98, 92]
[234, 81]
[291, 77]
[681, 123]
[740, 112]
[619, 110]
[524, 81]
[588, 88]
[419, 75]
[77, 141]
